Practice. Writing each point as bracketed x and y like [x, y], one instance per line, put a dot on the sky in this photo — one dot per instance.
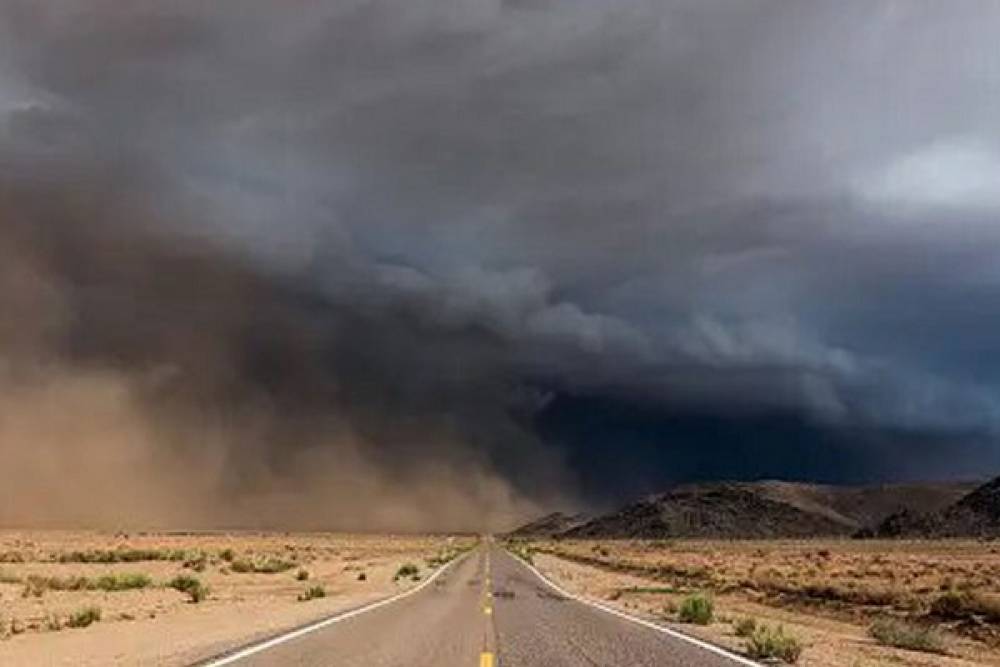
[439, 264]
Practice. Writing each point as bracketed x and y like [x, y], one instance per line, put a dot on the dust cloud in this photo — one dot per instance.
[152, 380]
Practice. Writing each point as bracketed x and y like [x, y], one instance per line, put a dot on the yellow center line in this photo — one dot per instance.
[486, 660]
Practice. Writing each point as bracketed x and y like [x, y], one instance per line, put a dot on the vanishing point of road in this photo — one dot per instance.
[488, 609]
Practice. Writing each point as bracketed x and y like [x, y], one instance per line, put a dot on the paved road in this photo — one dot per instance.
[489, 609]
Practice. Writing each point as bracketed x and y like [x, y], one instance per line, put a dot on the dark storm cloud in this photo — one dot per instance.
[459, 215]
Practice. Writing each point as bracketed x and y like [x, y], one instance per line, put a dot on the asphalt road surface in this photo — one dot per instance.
[487, 610]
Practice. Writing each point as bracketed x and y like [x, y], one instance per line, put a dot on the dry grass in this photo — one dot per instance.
[36, 585]
[49, 578]
[902, 576]
[697, 609]
[312, 593]
[908, 635]
[949, 587]
[84, 617]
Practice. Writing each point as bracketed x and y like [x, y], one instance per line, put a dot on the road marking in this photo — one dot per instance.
[641, 621]
[487, 610]
[319, 625]
[486, 660]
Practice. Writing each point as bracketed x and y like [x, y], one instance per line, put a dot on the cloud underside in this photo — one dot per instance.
[375, 263]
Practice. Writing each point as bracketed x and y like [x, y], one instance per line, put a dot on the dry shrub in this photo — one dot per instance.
[904, 634]
[767, 643]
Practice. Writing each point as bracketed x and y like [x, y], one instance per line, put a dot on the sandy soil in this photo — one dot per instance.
[159, 625]
[651, 580]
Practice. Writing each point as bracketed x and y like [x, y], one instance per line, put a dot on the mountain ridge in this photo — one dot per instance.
[760, 509]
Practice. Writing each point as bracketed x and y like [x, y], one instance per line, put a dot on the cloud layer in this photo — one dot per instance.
[326, 252]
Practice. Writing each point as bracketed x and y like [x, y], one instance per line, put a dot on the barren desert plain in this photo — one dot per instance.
[176, 598]
[844, 601]
[88, 598]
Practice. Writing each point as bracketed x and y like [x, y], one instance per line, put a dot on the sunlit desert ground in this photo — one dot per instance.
[828, 594]
[85, 598]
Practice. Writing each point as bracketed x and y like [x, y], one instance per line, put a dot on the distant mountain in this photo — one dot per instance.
[765, 509]
[550, 525]
[976, 514]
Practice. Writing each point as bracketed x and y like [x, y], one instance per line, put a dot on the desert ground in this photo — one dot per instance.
[89, 598]
[938, 599]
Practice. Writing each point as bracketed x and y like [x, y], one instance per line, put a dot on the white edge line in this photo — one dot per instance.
[641, 621]
[319, 625]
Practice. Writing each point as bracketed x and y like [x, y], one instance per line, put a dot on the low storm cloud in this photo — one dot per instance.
[441, 263]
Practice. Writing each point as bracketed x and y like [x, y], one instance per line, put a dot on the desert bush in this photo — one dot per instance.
[84, 617]
[441, 558]
[227, 555]
[197, 561]
[362, 577]
[269, 566]
[312, 593]
[765, 643]
[192, 586]
[698, 609]
[121, 555]
[407, 570]
[242, 566]
[35, 585]
[949, 605]
[121, 582]
[302, 575]
[908, 635]
[954, 605]
[273, 566]
[745, 627]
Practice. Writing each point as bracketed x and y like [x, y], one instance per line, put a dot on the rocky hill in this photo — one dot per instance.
[550, 525]
[765, 509]
[977, 514]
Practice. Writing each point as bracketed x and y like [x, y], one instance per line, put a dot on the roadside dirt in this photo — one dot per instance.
[652, 579]
[156, 624]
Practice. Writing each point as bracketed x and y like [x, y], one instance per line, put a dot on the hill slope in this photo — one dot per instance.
[766, 509]
[977, 514]
[550, 525]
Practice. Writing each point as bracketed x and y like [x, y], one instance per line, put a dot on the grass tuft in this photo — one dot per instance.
[765, 643]
[122, 582]
[312, 593]
[698, 609]
[36, 585]
[121, 556]
[407, 570]
[195, 590]
[84, 617]
[745, 627]
[269, 566]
